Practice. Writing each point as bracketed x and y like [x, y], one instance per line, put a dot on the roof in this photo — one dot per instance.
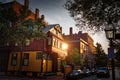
[10, 4]
[16, 7]
[48, 27]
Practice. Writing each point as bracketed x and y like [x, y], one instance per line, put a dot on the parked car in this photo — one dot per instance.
[93, 71]
[81, 73]
[103, 72]
[74, 75]
[86, 72]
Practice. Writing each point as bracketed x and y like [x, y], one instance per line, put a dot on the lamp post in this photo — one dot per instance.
[110, 34]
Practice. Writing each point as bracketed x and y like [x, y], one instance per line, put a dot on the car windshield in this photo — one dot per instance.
[74, 71]
[102, 68]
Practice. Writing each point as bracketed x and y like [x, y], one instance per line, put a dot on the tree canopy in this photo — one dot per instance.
[94, 14]
[76, 58]
[17, 28]
[117, 57]
[100, 56]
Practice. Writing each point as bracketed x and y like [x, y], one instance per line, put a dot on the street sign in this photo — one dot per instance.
[111, 53]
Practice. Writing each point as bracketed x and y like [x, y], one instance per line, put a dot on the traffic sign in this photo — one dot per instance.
[111, 53]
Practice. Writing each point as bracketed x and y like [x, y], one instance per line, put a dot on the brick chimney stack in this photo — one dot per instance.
[61, 29]
[36, 13]
[71, 31]
[26, 3]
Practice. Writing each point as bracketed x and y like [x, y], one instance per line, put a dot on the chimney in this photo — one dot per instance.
[42, 17]
[26, 3]
[61, 29]
[71, 31]
[80, 33]
[36, 13]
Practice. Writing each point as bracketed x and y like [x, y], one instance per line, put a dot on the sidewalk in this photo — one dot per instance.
[28, 78]
[54, 78]
[117, 73]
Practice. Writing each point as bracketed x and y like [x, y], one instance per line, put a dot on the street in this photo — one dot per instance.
[93, 77]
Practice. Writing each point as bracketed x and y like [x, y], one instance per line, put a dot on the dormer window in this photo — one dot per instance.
[27, 42]
[16, 44]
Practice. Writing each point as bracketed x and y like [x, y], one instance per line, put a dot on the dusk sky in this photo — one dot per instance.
[56, 14]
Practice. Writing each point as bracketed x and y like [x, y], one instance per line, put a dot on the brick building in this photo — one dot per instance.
[38, 55]
[83, 43]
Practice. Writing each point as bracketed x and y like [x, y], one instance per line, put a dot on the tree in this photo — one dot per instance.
[4, 34]
[117, 57]
[94, 14]
[76, 58]
[86, 61]
[7, 16]
[17, 29]
[100, 56]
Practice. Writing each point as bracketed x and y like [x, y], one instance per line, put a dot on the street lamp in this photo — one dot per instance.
[110, 34]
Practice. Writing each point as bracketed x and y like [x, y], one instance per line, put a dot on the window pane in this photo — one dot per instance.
[44, 56]
[14, 62]
[49, 57]
[26, 62]
[26, 59]
[38, 55]
[27, 42]
[26, 56]
[49, 41]
[14, 59]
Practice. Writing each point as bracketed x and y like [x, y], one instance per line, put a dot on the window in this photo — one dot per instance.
[58, 34]
[38, 55]
[55, 31]
[56, 43]
[49, 41]
[60, 45]
[49, 57]
[53, 42]
[27, 42]
[7, 44]
[45, 56]
[14, 59]
[26, 59]
[16, 44]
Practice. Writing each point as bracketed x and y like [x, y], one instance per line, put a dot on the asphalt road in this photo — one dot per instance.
[93, 77]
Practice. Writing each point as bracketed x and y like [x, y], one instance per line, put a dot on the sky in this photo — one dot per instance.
[55, 13]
